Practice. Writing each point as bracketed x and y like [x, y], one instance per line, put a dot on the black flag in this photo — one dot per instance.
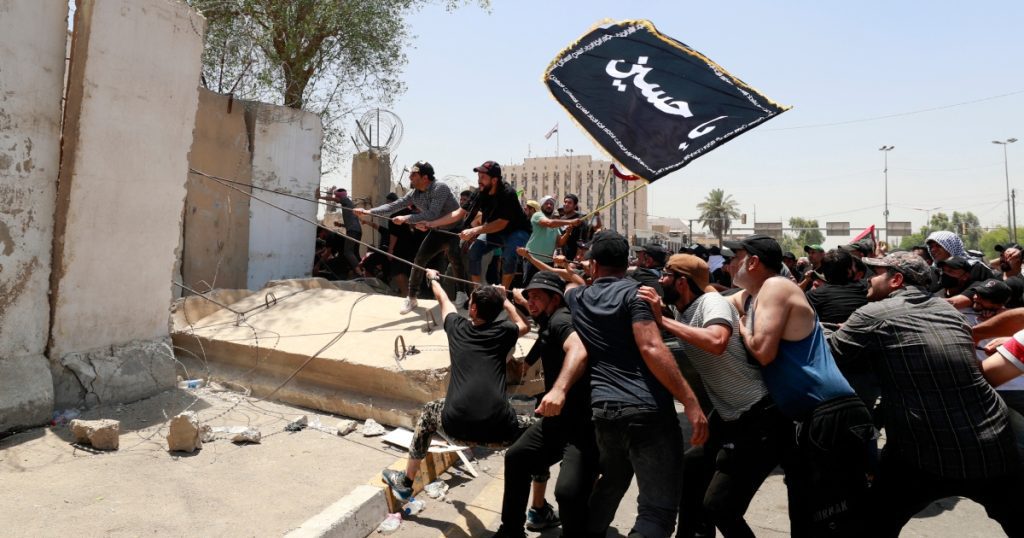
[652, 102]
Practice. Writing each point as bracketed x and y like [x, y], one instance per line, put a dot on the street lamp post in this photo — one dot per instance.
[885, 151]
[1011, 226]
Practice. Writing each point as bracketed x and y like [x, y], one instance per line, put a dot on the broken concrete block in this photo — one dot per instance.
[247, 435]
[100, 434]
[372, 428]
[347, 426]
[184, 433]
[206, 433]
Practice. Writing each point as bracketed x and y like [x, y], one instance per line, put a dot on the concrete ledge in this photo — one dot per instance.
[26, 392]
[355, 515]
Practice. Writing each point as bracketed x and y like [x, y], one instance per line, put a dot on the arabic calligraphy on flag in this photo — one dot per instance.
[653, 103]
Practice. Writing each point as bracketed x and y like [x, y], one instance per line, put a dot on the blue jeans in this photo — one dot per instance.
[508, 241]
[648, 443]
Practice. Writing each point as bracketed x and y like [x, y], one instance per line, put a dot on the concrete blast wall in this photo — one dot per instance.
[216, 242]
[371, 183]
[32, 44]
[285, 158]
[130, 111]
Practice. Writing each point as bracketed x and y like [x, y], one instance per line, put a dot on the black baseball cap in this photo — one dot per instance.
[548, 281]
[993, 290]
[654, 250]
[956, 262]
[609, 248]
[490, 168]
[764, 247]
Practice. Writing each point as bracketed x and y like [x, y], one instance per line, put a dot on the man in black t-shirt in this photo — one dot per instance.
[571, 236]
[566, 432]
[840, 294]
[633, 379]
[475, 408]
[503, 221]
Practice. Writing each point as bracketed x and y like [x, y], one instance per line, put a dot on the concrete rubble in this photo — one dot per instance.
[101, 434]
[184, 433]
[371, 428]
[346, 427]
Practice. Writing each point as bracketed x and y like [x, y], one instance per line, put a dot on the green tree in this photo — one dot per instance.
[958, 223]
[806, 231]
[330, 57]
[717, 211]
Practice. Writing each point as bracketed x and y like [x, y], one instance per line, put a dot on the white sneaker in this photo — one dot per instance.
[408, 306]
[461, 299]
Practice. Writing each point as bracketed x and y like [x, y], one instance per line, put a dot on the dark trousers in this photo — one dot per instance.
[351, 248]
[826, 473]
[433, 244]
[648, 443]
[721, 477]
[566, 439]
[903, 490]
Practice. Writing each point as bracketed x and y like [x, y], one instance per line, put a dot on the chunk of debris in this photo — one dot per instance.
[297, 425]
[247, 435]
[100, 434]
[184, 433]
[206, 433]
[372, 428]
[347, 426]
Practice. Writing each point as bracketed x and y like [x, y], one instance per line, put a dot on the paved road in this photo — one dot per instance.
[473, 506]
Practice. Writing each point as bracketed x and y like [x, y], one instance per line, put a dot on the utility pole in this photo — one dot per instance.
[885, 151]
[1010, 221]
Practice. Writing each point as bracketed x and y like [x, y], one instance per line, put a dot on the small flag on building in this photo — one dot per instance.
[551, 132]
[653, 103]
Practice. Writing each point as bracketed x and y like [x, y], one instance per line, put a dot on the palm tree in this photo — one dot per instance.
[717, 211]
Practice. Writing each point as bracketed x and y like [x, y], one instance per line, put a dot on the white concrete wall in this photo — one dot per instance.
[286, 158]
[130, 112]
[32, 44]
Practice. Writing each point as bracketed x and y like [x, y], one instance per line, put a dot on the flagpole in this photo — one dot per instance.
[617, 198]
[557, 138]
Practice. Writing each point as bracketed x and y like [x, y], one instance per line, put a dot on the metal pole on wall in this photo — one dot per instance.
[885, 151]
[1010, 224]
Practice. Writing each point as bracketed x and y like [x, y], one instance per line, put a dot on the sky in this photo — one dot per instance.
[475, 93]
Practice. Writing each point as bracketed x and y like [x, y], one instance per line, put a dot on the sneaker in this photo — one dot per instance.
[397, 480]
[505, 533]
[461, 299]
[408, 306]
[538, 519]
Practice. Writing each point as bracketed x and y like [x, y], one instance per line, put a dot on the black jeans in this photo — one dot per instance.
[553, 439]
[648, 443]
[721, 477]
[433, 244]
[826, 473]
[903, 490]
[351, 248]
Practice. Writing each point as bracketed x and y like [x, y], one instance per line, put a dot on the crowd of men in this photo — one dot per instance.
[776, 361]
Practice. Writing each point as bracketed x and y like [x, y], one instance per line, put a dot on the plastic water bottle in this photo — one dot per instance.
[190, 384]
[413, 507]
[390, 524]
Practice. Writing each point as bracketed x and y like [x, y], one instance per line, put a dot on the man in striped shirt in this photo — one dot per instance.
[748, 435]
[947, 432]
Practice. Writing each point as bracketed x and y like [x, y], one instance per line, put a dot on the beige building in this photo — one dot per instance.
[591, 180]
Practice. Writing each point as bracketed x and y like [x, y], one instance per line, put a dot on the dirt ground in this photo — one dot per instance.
[55, 488]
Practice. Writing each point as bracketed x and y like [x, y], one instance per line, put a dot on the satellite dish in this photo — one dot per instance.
[379, 130]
